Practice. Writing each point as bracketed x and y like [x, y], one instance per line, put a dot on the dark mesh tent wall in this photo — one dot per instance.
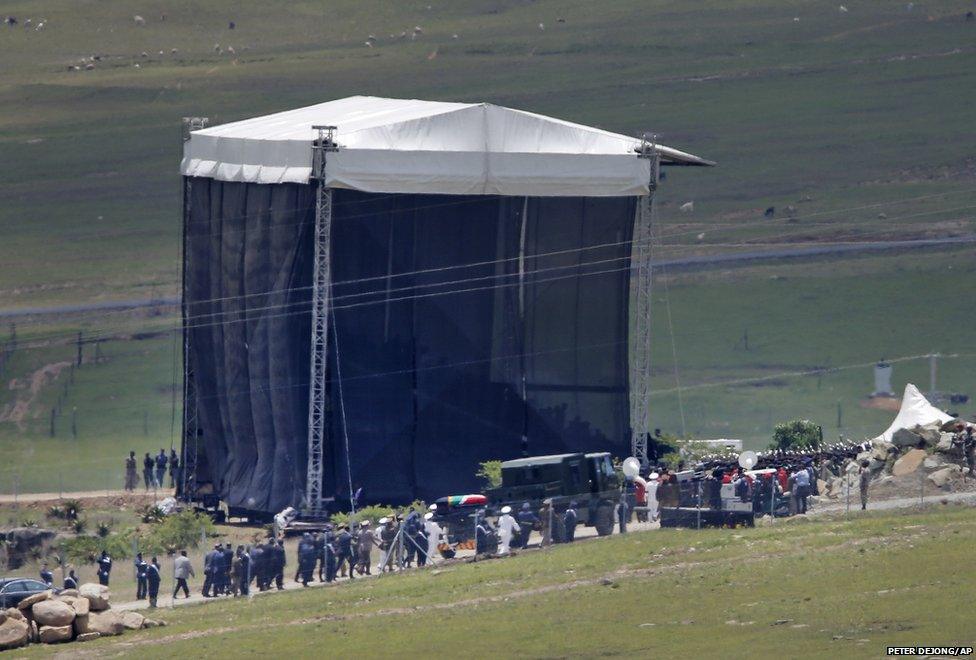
[466, 328]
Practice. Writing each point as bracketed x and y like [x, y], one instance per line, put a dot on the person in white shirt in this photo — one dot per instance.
[507, 527]
[434, 533]
[652, 482]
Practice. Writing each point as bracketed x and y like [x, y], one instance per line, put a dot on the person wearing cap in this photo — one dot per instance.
[387, 535]
[364, 549]
[225, 583]
[527, 520]
[434, 533]
[507, 528]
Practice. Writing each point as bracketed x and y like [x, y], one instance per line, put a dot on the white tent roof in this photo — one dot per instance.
[409, 146]
[915, 411]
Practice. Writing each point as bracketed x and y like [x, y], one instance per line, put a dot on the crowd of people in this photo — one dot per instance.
[154, 470]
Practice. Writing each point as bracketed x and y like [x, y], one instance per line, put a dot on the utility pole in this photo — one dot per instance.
[79, 347]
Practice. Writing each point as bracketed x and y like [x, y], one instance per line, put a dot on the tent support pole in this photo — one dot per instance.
[321, 289]
[186, 487]
[640, 340]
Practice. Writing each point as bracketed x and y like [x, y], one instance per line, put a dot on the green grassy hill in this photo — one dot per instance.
[858, 120]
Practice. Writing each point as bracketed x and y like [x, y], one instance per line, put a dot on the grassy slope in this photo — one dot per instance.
[851, 110]
[848, 587]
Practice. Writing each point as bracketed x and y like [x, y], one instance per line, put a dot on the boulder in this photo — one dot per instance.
[69, 592]
[78, 604]
[55, 634]
[133, 620]
[97, 595]
[933, 462]
[943, 477]
[30, 601]
[81, 624]
[903, 438]
[53, 613]
[930, 433]
[944, 445]
[14, 613]
[87, 637]
[151, 623]
[105, 623]
[13, 633]
[909, 462]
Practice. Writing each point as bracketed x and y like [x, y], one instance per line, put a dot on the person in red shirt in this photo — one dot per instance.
[640, 498]
[783, 478]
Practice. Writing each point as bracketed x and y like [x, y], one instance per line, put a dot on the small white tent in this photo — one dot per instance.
[915, 411]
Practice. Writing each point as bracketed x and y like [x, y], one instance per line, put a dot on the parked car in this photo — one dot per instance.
[14, 590]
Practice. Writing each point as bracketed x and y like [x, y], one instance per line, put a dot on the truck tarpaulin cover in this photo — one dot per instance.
[463, 325]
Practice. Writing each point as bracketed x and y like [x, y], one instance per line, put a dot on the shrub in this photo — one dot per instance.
[28, 522]
[79, 526]
[56, 512]
[72, 509]
[150, 513]
[186, 529]
[86, 549]
[796, 434]
[103, 528]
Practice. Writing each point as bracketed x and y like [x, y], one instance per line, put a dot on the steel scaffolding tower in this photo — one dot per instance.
[187, 486]
[640, 343]
[321, 292]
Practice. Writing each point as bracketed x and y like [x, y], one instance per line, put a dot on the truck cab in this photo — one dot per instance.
[588, 479]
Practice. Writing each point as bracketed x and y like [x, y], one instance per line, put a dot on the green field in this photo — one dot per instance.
[806, 588]
[859, 120]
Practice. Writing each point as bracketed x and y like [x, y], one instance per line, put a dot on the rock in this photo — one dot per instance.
[30, 601]
[875, 465]
[87, 637]
[33, 634]
[13, 633]
[944, 445]
[933, 462]
[97, 595]
[55, 634]
[53, 613]
[105, 623]
[931, 434]
[3, 616]
[81, 624]
[78, 604]
[909, 462]
[904, 438]
[132, 620]
[69, 592]
[14, 613]
[822, 487]
[941, 478]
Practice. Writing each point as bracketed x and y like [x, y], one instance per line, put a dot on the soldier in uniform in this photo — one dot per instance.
[570, 518]
[225, 585]
[278, 565]
[141, 576]
[104, 568]
[364, 548]
[527, 521]
[864, 482]
[147, 471]
[174, 468]
[306, 559]
[161, 461]
[344, 557]
[153, 579]
[131, 472]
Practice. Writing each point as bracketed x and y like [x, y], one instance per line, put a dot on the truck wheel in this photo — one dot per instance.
[604, 520]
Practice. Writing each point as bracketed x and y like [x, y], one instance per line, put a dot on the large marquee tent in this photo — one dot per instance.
[379, 294]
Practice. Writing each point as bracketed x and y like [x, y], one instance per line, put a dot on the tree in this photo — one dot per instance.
[491, 473]
[796, 434]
